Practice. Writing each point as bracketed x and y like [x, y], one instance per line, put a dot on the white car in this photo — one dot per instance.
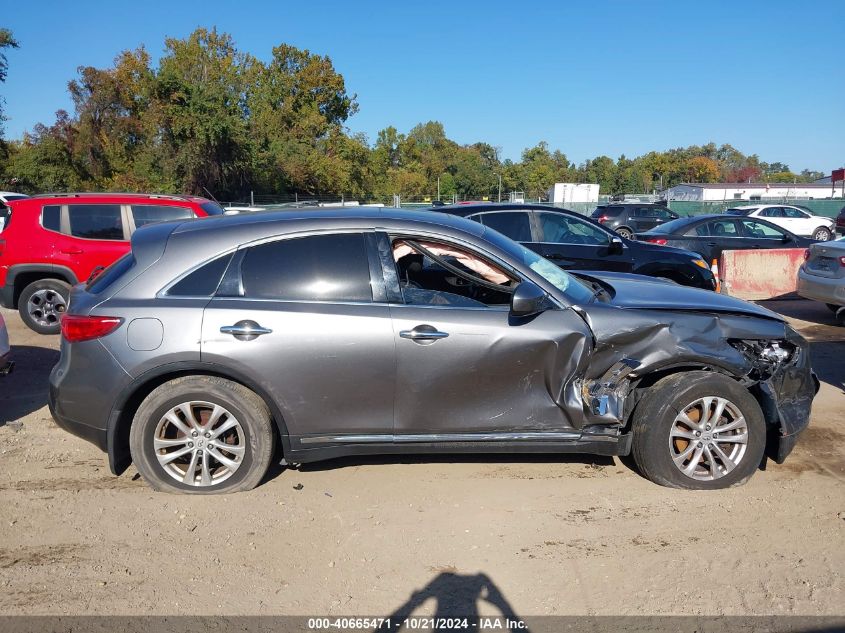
[6, 365]
[7, 196]
[793, 219]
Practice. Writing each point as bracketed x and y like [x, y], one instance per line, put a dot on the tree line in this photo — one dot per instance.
[210, 117]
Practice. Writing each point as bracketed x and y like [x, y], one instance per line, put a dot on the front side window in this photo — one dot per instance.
[563, 229]
[772, 212]
[758, 229]
[148, 213]
[314, 268]
[794, 213]
[96, 221]
[515, 225]
[438, 274]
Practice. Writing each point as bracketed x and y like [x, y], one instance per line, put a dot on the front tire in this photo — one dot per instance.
[698, 430]
[202, 435]
[42, 304]
[822, 234]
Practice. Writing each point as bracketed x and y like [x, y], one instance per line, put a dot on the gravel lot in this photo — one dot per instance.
[554, 535]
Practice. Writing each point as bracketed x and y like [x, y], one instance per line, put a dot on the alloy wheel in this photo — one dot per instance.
[199, 443]
[46, 307]
[708, 438]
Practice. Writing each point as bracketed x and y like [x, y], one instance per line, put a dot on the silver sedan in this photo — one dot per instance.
[822, 277]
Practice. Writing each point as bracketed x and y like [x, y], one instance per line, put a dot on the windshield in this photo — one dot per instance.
[212, 208]
[574, 289]
[17, 197]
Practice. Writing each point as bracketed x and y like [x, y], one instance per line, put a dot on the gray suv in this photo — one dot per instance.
[312, 334]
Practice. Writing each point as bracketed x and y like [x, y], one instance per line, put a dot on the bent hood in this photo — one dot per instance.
[648, 293]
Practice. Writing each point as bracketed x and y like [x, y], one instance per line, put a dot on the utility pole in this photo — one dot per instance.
[438, 187]
[500, 186]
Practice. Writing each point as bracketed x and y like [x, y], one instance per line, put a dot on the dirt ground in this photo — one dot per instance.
[553, 535]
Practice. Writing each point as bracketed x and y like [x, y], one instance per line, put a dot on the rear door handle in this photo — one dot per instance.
[245, 330]
[423, 333]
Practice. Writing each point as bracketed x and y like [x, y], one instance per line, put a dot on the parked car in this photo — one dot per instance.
[5, 198]
[364, 331]
[840, 222]
[6, 364]
[632, 217]
[52, 242]
[822, 276]
[710, 235]
[575, 242]
[796, 220]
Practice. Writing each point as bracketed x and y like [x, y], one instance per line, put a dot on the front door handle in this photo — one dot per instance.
[423, 333]
[245, 330]
[72, 251]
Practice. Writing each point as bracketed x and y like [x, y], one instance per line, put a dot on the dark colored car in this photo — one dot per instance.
[575, 242]
[317, 334]
[53, 241]
[630, 217]
[840, 222]
[709, 235]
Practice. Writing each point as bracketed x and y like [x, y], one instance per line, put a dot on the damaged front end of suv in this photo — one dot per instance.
[749, 344]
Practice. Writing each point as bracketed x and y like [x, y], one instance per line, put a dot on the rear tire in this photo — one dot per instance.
[625, 232]
[683, 454]
[42, 304]
[822, 234]
[222, 431]
[833, 307]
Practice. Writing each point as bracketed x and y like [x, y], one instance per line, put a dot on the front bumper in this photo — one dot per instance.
[824, 289]
[7, 296]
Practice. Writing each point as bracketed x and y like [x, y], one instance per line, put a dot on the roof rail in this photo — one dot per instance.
[79, 194]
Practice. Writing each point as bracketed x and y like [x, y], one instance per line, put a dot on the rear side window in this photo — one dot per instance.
[516, 225]
[149, 213]
[51, 217]
[315, 268]
[111, 274]
[203, 281]
[610, 212]
[96, 221]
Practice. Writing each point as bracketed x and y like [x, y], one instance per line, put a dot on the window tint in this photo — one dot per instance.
[716, 228]
[111, 274]
[740, 211]
[564, 229]
[610, 212]
[203, 281]
[664, 214]
[11, 198]
[149, 213]
[772, 212]
[758, 229]
[96, 221]
[316, 268]
[212, 208]
[515, 225]
[794, 213]
[51, 218]
[442, 274]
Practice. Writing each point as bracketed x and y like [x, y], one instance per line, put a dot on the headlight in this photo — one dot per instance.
[700, 263]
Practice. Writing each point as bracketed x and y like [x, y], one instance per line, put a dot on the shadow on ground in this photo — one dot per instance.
[25, 389]
[827, 361]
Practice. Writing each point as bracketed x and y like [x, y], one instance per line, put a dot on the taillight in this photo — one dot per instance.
[842, 261]
[602, 219]
[656, 240]
[806, 254]
[76, 329]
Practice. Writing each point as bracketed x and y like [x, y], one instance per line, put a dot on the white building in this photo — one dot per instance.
[566, 192]
[704, 192]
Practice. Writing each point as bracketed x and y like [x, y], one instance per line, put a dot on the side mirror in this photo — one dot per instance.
[786, 239]
[616, 245]
[527, 299]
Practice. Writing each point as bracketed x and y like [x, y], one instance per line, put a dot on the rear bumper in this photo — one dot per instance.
[824, 289]
[7, 296]
[7, 365]
[74, 427]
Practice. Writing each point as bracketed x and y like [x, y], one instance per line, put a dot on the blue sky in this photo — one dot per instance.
[590, 78]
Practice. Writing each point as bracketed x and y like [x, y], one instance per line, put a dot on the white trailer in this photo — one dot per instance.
[569, 192]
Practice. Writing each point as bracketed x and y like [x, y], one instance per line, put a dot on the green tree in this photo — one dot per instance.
[7, 40]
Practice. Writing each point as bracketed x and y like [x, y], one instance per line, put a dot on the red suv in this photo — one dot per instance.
[50, 243]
